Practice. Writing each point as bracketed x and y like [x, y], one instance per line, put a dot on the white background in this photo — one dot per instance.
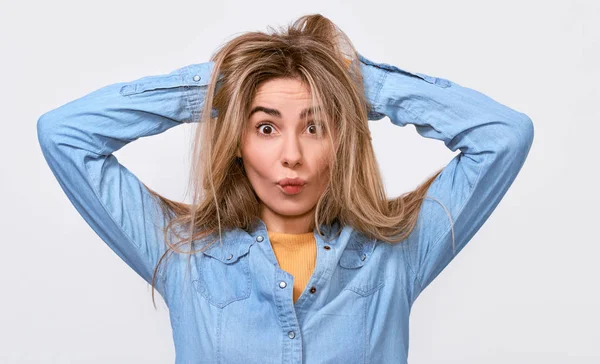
[524, 290]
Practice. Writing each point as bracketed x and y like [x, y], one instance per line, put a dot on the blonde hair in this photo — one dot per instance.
[314, 51]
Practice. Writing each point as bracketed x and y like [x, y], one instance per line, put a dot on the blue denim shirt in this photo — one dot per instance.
[235, 303]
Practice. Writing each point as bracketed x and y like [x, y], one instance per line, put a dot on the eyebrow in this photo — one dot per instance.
[276, 113]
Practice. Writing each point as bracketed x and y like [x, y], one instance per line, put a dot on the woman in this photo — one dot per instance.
[290, 251]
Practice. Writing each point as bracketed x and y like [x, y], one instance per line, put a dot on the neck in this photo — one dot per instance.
[286, 224]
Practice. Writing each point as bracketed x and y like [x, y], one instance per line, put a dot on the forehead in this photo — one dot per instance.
[282, 91]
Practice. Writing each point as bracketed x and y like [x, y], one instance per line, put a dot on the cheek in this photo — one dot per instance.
[258, 163]
[322, 159]
[320, 172]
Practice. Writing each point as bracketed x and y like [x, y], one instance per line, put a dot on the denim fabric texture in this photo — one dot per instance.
[235, 304]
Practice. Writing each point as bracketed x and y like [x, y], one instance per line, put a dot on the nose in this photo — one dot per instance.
[291, 154]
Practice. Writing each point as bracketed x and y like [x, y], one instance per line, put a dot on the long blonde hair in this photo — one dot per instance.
[314, 50]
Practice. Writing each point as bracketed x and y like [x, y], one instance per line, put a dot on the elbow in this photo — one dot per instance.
[521, 140]
[48, 129]
[518, 131]
[44, 131]
[525, 132]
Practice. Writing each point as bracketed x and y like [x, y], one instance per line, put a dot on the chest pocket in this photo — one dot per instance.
[360, 268]
[224, 273]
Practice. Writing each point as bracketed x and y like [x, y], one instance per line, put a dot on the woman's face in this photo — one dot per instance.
[284, 140]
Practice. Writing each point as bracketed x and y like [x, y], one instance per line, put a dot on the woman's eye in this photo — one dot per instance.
[317, 127]
[267, 128]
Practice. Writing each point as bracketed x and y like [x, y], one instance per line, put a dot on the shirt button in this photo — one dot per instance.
[363, 257]
[282, 284]
[260, 238]
[196, 78]
[313, 290]
[230, 256]
[291, 334]
[327, 247]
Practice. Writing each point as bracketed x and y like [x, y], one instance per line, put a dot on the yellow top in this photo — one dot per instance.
[297, 255]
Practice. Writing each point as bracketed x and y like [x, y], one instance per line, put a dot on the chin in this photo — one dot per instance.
[289, 208]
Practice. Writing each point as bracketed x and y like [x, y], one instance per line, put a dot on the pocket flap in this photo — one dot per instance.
[230, 251]
[357, 252]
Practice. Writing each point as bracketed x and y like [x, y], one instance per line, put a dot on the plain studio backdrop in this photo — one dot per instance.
[524, 290]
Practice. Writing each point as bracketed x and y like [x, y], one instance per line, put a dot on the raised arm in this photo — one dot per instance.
[77, 140]
[494, 141]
